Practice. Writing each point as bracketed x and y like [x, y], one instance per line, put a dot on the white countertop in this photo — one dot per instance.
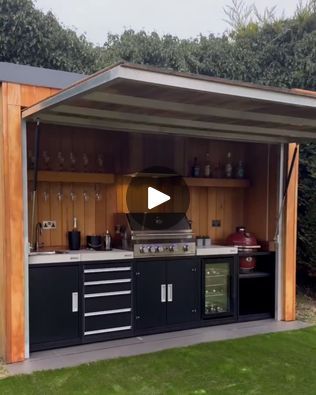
[81, 255]
[216, 250]
[115, 254]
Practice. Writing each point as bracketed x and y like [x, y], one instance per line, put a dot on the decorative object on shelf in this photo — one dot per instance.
[61, 160]
[229, 166]
[85, 161]
[74, 237]
[240, 170]
[100, 162]
[31, 160]
[207, 166]
[246, 243]
[218, 170]
[72, 161]
[196, 168]
[46, 159]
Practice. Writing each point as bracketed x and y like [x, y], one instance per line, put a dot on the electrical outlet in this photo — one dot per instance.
[48, 225]
[216, 223]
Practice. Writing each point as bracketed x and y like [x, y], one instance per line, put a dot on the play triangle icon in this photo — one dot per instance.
[156, 198]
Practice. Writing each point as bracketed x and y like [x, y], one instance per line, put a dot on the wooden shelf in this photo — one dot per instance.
[217, 182]
[64, 176]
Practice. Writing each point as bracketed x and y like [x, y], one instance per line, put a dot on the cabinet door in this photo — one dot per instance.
[54, 298]
[183, 291]
[150, 294]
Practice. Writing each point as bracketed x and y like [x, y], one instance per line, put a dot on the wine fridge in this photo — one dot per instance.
[219, 289]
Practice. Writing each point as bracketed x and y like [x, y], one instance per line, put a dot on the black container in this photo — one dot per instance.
[74, 240]
[95, 242]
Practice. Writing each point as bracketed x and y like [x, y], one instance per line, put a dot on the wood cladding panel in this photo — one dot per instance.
[123, 153]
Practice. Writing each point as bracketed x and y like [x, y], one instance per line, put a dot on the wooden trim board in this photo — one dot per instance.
[58, 176]
[290, 240]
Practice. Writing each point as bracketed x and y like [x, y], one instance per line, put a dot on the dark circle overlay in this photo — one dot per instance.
[166, 181]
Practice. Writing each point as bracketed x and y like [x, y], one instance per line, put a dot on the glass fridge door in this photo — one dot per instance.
[218, 287]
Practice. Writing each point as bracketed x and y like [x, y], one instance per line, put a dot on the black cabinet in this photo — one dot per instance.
[167, 292]
[257, 289]
[54, 305]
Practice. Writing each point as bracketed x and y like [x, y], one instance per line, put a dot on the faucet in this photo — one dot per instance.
[38, 232]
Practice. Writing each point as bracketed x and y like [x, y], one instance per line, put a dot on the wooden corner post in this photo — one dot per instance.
[290, 238]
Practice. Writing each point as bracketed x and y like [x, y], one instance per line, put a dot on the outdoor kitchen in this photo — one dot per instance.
[106, 265]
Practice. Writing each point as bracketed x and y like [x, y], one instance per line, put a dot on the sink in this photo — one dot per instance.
[34, 253]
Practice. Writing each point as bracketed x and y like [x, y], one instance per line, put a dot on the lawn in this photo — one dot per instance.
[280, 363]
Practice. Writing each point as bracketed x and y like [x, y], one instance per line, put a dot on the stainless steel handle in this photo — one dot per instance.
[170, 292]
[163, 293]
[75, 302]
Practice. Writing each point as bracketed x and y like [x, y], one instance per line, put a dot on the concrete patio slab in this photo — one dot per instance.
[73, 356]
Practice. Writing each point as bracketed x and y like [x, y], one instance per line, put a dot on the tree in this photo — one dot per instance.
[28, 36]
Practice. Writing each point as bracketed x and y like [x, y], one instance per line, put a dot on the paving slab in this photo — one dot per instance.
[73, 356]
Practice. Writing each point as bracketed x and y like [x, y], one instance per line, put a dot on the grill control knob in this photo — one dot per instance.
[145, 250]
[151, 249]
[141, 249]
[185, 248]
[171, 248]
[159, 249]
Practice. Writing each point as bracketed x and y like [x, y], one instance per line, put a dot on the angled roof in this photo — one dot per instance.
[146, 99]
[37, 76]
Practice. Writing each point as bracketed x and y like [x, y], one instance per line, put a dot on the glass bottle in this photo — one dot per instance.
[229, 166]
[240, 170]
[207, 166]
[195, 168]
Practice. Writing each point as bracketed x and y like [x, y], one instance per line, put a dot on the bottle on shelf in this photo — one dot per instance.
[207, 166]
[229, 166]
[196, 168]
[240, 170]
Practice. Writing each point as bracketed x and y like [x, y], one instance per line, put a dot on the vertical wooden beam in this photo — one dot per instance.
[14, 224]
[2, 236]
[290, 239]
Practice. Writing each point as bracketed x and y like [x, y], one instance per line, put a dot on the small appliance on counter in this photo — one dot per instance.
[74, 237]
[246, 244]
[203, 241]
[95, 242]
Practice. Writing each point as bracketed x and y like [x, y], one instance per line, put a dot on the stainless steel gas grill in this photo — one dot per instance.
[158, 234]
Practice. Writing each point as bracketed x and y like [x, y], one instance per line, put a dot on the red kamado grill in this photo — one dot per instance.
[246, 244]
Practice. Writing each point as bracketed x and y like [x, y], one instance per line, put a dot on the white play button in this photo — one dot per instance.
[156, 198]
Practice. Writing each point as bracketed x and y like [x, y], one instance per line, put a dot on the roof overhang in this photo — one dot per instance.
[136, 98]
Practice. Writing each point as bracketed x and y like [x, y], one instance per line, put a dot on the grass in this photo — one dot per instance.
[279, 363]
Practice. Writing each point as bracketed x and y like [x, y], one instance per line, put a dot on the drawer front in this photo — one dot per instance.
[92, 288]
[107, 301]
[107, 321]
[106, 265]
[107, 274]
